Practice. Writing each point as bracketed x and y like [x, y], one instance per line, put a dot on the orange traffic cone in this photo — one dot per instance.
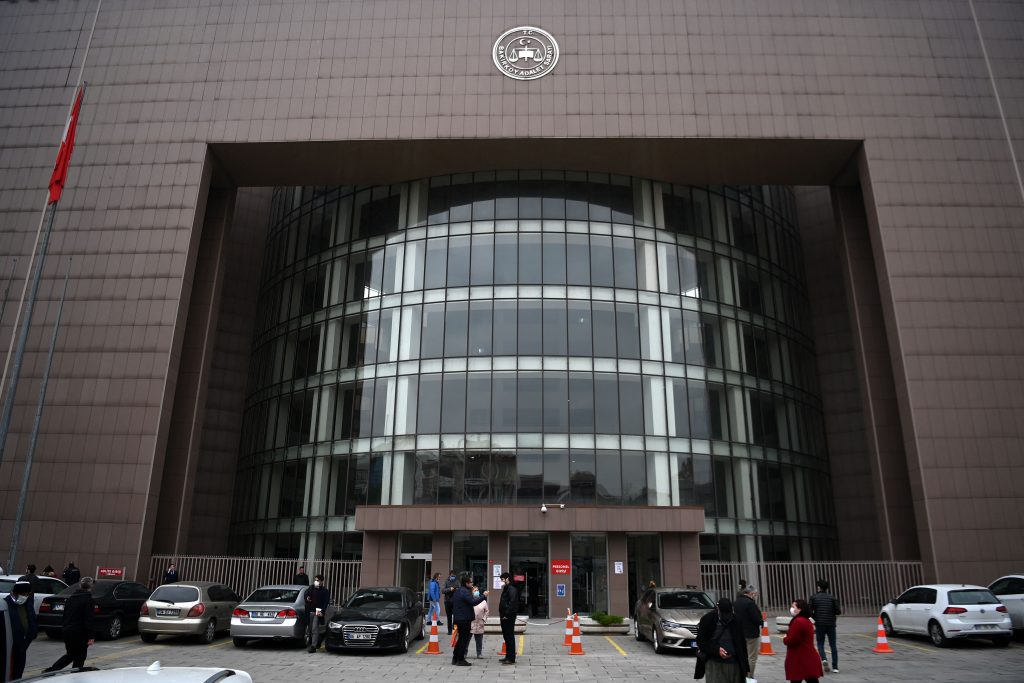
[881, 642]
[577, 645]
[434, 647]
[455, 636]
[766, 640]
[502, 651]
[568, 628]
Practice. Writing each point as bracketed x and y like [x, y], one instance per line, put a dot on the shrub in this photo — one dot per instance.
[605, 619]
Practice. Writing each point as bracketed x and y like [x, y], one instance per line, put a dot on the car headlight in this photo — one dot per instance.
[334, 626]
[390, 627]
[667, 625]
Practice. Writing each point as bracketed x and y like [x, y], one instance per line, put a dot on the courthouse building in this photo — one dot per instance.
[596, 289]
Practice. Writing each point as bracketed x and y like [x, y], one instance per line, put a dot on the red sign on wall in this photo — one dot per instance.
[561, 567]
[109, 572]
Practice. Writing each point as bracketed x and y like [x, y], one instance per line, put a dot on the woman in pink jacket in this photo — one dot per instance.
[480, 613]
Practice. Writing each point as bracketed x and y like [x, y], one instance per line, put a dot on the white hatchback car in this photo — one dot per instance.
[1010, 591]
[947, 611]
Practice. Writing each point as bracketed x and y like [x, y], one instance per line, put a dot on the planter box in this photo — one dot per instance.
[589, 627]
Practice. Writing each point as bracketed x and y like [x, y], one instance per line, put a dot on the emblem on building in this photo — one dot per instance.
[525, 53]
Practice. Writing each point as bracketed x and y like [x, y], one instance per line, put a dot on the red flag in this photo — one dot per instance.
[67, 143]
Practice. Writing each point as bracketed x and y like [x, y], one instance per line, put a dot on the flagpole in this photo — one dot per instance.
[35, 427]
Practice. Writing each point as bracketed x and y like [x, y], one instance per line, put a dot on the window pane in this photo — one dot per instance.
[480, 328]
[577, 260]
[625, 263]
[451, 480]
[456, 329]
[503, 408]
[505, 328]
[476, 490]
[609, 478]
[506, 260]
[580, 332]
[531, 399]
[582, 477]
[604, 329]
[482, 262]
[529, 468]
[453, 406]
[458, 261]
[432, 335]
[529, 259]
[554, 259]
[581, 403]
[429, 417]
[606, 403]
[556, 396]
[478, 402]
[437, 263]
[634, 478]
[530, 328]
[426, 478]
[555, 333]
[602, 274]
[631, 404]
[556, 476]
[503, 478]
[627, 330]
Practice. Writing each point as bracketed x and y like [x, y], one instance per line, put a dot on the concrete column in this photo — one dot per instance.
[619, 601]
[680, 559]
[559, 548]
[497, 554]
[380, 558]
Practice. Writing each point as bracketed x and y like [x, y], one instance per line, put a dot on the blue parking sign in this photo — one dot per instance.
[560, 590]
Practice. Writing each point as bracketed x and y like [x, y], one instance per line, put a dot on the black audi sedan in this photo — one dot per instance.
[386, 618]
[117, 608]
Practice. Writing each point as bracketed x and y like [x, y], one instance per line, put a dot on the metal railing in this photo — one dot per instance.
[245, 574]
[862, 588]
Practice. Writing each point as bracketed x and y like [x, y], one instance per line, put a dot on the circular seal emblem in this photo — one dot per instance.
[525, 53]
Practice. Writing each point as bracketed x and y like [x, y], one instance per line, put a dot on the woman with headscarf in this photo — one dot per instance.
[722, 649]
[802, 663]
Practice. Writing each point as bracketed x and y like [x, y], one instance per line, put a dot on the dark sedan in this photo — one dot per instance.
[117, 608]
[386, 618]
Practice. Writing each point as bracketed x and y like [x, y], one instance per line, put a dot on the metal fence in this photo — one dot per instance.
[861, 588]
[244, 574]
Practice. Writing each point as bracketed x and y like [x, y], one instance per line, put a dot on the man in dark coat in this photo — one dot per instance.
[171, 575]
[23, 625]
[32, 578]
[463, 614]
[508, 608]
[749, 617]
[76, 627]
[71, 574]
[317, 599]
[721, 645]
[301, 578]
[824, 610]
[450, 586]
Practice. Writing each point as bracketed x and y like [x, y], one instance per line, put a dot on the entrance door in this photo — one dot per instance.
[589, 573]
[414, 574]
[528, 565]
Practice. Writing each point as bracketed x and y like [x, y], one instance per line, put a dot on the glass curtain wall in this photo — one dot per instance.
[518, 337]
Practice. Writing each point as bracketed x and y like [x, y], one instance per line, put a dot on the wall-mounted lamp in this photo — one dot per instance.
[544, 507]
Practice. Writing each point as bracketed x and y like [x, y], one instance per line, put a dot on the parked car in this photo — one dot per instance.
[47, 586]
[668, 617]
[199, 608]
[118, 604]
[1010, 591]
[272, 612]
[140, 674]
[947, 611]
[384, 618]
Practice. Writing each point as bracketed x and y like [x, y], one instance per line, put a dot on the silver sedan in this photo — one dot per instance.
[275, 612]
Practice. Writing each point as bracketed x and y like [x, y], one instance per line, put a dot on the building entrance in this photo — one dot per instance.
[589, 573]
[528, 565]
[414, 561]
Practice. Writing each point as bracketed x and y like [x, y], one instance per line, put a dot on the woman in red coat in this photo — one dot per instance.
[802, 662]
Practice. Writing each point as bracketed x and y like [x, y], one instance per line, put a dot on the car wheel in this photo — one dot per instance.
[113, 631]
[423, 630]
[148, 637]
[210, 634]
[936, 634]
[887, 626]
[403, 647]
[656, 642]
[636, 631]
[239, 642]
[1004, 641]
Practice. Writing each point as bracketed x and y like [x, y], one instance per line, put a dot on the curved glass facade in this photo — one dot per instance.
[527, 337]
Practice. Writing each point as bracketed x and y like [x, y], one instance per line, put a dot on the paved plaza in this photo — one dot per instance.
[544, 658]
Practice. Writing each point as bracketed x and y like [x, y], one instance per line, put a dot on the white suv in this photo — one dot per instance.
[946, 611]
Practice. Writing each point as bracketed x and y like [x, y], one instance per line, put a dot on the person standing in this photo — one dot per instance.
[49, 571]
[463, 603]
[434, 595]
[301, 578]
[32, 578]
[317, 599]
[71, 575]
[801, 660]
[722, 649]
[824, 610]
[480, 613]
[171, 575]
[749, 617]
[450, 586]
[76, 627]
[23, 625]
[508, 608]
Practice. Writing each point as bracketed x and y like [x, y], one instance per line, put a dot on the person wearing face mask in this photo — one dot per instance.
[721, 647]
[508, 608]
[480, 614]
[317, 599]
[463, 613]
[23, 625]
[802, 663]
[76, 627]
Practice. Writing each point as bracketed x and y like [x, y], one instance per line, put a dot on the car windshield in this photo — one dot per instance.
[175, 594]
[681, 600]
[98, 589]
[375, 599]
[6, 585]
[972, 597]
[273, 595]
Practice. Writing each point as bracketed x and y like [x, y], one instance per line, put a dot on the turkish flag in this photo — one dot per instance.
[67, 143]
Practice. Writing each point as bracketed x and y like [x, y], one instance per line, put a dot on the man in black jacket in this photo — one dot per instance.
[749, 617]
[76, 627]
[463, 603]
[824, 610]
[508, 608]
[317, 599]
[450, 586]
[721, 644]
[301, 578]
[23, 625]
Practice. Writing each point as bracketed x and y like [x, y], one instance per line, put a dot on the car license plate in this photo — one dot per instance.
[58, 607]
[263, 615]
[167, 612]
[361, 636]
[985, 627]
